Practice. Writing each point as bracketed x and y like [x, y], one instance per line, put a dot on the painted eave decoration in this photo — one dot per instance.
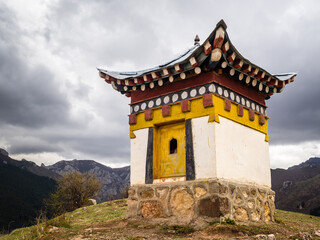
[217, 53]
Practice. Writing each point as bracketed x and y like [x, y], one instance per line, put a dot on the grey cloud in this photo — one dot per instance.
[28, 145]
[111, 31]
[69, 142]
[29, 96]
[102, 147]
[142, 34]
[295, 116]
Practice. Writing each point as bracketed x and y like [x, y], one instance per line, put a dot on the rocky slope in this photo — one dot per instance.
[26, 165]
[297, 188]
[114, 180]
[312, 162]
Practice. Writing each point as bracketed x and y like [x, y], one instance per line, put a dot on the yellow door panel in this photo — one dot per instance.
[170, 151]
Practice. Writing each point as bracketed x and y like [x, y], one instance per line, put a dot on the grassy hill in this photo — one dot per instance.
[107, 221]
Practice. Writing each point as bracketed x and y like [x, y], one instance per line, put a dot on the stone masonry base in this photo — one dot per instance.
[208, 199]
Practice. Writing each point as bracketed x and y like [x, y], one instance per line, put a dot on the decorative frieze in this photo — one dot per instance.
[210, 88]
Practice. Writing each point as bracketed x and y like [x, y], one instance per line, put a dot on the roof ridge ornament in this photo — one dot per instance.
[196, 40]
[222, 24]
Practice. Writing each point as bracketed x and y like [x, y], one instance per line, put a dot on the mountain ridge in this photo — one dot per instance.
[311, 162]
[297, 188]
[27, 165]
[114, 180]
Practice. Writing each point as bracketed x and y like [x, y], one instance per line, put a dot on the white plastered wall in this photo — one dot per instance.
[225, 150]
[203, 147]
[138, 154]
[242, 153]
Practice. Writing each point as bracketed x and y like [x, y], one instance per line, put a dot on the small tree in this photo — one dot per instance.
[73, 191]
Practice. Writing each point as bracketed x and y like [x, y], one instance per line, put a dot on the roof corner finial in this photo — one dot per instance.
[196, 40]
[222, 24]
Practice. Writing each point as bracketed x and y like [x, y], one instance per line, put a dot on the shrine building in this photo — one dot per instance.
[199, 134]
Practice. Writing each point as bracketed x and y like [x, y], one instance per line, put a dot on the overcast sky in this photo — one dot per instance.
[54, 106]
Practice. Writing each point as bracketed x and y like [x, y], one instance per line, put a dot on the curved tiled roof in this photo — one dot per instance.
[217, 53]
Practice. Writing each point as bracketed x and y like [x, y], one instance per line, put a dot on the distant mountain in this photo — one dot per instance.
[114, 180]
[23, 186]
[27, 165]
[312, 162]
[298, 188]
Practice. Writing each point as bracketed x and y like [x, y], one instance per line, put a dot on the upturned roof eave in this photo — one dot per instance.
[230, 59]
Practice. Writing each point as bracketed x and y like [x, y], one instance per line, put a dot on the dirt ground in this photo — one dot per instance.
[107, 221]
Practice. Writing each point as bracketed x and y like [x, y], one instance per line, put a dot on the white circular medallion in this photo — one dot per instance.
[232, 96]
[225, 93]
[158, 101]
[175, 97]
[212, 88]
[238, 99]
[143, 106]
[166, 99]
[136, 108]
[257, 108]
[248, 103]
[131, 109]
[150, 104]
[253, 106]
[202, 90]
[184, 95]
[243, 102]
[220, 90]
[193, 93]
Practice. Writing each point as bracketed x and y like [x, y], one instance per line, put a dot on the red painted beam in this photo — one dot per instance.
[227, 106]
[165, 110]
[260, 75]
[148, 114]
[166, 71]
[238, 63]
[102, 75]
[231, 57]
[262, 119]
[207, 100]
[207, 48]
[178, 67]
[251, 115]
[155, 75]
[185, 106]
[240, 110]
[223, 79]
[138, 80]
[225, 47]
[217, 43]
[147, 78]
[254, 71]
[132, 119]
[246, 68]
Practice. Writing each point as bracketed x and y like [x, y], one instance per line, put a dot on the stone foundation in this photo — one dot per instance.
[210, 199]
